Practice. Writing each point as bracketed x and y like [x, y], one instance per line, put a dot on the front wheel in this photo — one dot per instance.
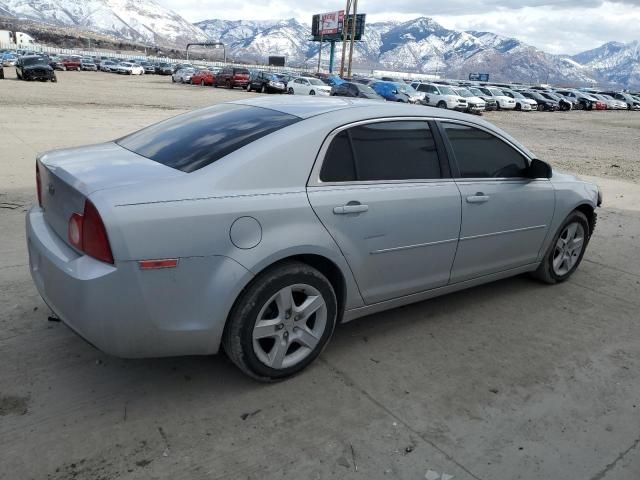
[290, 91]
[281, 322]
[312, 92]
[566, 250]
[54, 79]
[442, 104]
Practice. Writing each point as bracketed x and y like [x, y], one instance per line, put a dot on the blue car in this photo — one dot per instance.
[333, 80]
[389, 91]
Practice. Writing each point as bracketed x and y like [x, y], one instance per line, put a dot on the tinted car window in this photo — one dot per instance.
[382, 151]
[194, 140]
[338, 164]
[482, 155]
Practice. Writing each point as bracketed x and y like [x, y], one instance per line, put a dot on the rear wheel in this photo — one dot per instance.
[518, 107]
[229, 86]
[290, 91]
[281, 322]
[312, 92]
[566, 250]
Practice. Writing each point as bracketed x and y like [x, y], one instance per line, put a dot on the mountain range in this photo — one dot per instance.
[418, 45]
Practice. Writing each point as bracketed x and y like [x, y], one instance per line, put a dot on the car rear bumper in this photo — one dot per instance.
[128, 312]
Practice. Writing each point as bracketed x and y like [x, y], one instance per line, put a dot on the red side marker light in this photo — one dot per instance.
[155, 264]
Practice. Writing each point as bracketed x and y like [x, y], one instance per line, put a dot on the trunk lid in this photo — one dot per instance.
[68, 177]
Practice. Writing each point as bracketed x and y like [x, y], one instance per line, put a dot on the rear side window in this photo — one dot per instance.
[385, 151]
[241, 71]
[194, 140]
[480, 154]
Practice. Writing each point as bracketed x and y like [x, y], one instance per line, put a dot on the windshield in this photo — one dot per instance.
[476, 91]
[463, 92]
[315, 81]
[516, 94]
[496, 92]
[365, 89]
[406, 89]
[446, 90]
[34, 61]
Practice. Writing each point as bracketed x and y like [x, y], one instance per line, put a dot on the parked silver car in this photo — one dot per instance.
[258, 225]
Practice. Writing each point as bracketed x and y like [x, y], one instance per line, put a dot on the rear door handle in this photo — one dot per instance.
[478, 198]
[351, 208]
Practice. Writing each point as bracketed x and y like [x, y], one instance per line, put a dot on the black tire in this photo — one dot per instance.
[54, 78]
[545, 272]
[262, 89]
[518, 107]
[229, 86]
[248, 87]
[498, 107]
[290, 91]
[442, 104]
[173, 79]
[238, 340]
[312, 92]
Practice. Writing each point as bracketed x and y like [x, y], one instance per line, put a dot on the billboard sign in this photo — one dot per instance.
[479, 77]
[331, 23]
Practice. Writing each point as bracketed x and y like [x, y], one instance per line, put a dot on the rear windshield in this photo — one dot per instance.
[240, 71]
[194, 140]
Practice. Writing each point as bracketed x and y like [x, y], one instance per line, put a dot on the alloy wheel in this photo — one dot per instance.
[289, 326]
[568, 248]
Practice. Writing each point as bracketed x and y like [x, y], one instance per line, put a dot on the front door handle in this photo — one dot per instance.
[478, 198]
[351, 207]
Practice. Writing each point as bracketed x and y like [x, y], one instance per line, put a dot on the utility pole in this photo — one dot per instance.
[321, 40]
[344, 35]
[353, 35]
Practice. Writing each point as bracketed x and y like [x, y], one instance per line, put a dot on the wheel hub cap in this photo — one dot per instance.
[289, 326]
[568, 248]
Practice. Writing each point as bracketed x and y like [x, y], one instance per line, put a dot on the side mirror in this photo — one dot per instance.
[540, 169]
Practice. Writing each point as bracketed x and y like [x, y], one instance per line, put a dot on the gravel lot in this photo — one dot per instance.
[513, 380]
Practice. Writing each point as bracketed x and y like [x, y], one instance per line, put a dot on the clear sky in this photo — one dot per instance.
[563, 26]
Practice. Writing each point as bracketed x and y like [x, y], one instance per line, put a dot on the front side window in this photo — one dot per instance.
[385, 151]
[480, 154]
[194, 140]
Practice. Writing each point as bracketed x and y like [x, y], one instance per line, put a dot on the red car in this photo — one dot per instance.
[72, 63]
[203, 77]
[232, 77]
[601, 105]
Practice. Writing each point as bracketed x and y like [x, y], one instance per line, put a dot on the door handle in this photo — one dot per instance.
[351, 207]
[478, 198]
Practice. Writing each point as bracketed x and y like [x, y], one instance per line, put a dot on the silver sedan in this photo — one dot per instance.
[256, 226]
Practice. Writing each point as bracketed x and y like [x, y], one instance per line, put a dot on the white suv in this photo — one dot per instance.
[504, 102]
[441, 96]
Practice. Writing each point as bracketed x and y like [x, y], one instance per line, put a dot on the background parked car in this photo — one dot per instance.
[149, 68]
[87, 64]
[265, 82]
[504, 102]
[108, 66]
[180, 66]
[203, 77]
[183, 75]
[355, 90]
[308, 86]
[490, 103]
[563, 104]
[55, 62]
[9, 59]
[72, 63]
[632, 103]
[35, 67]
[474, 104]
[544, 103]
[523, 104]
[441, 96]
[164, 68]
[231, 77]
[128, 68]
[389, 91]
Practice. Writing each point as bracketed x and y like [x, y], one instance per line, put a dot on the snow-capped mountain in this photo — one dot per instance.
[142, 21]
[614, 62]
[419, 45]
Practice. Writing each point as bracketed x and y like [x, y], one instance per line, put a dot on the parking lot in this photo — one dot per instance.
[512, 380]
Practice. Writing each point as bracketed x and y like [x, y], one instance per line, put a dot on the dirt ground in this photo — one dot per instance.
[513, 380]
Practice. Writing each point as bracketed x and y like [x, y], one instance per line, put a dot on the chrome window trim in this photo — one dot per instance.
[314, 178]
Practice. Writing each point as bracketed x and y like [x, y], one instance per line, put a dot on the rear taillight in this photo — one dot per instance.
[88, 234]
[38, 184]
